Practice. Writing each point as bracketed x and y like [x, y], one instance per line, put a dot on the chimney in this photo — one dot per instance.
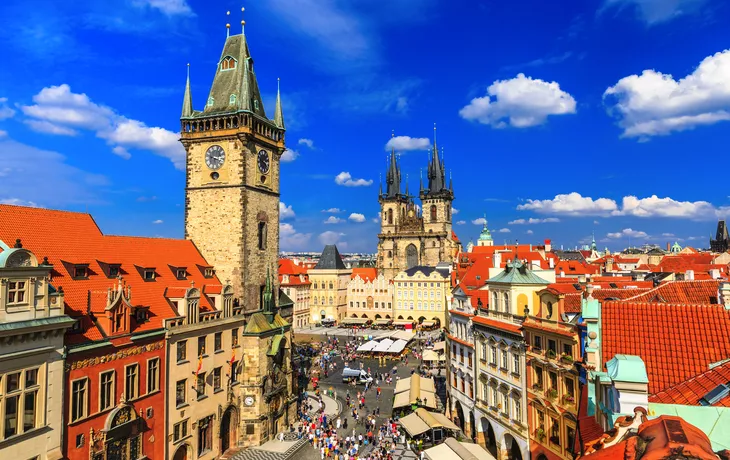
[715, 273]
[497, 259]
[548, 246]
[562, 273]
[669, 248]
[723, 295]
[552, 262]
[689, 275]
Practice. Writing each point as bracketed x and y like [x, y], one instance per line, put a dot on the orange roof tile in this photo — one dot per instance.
[574, 267]
[75, 237]
[692, 292]
[676, 342]
[693, 390]
[509, 327]
[366, 274]
[572, 302]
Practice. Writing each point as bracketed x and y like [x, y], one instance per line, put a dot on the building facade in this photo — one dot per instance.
[32, 325]
[369, 295]
[294, 282]
[553, 379]
[421, 295]
[409, 237]
[329, 280]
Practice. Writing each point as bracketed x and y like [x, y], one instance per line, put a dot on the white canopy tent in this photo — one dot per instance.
[397, 346]
[383, 346]
[368, 346]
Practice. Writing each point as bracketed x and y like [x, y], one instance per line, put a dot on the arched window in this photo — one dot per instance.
[232, 99]
[549, 310]
[262, 235]
[433, 213]
[331, 285]
[411, 256]
[506, 302]
[331, 301]
[390, 216]
[228, 63]
[390, 254]
[448, 213]
[495, 301]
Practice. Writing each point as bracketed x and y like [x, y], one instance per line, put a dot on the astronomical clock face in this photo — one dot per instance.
[215, 156]
[263, 161]
[248, 401]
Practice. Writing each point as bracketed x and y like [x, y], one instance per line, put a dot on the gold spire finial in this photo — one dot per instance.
[243, 23]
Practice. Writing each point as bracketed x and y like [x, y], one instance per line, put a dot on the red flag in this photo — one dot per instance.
[200, 365]
[233, 358]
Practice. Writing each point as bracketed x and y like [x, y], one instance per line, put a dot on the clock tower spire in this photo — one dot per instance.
[232, 176]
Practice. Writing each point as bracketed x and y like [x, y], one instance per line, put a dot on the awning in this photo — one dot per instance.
[381, 322]
[397, 346]
[430, 355]
[402, 322]
[428, 323]
[413, 424]
[403, 335]
[443, 420]
[368, 346]
[439, 346]
[414, 389]
[401, 400]
[451, 449]
[353, 321]
[383, 345]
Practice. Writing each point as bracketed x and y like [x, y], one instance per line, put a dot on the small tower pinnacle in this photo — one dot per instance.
[228, 25]
[278, 112]
[187, 109]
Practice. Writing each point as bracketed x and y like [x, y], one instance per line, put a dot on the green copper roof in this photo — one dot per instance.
[258, 324]
[627, 368]
[517, 272]
[284, 300]
[275, 344]
[485, 235]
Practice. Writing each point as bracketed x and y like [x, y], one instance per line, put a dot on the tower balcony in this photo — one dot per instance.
[231, 124]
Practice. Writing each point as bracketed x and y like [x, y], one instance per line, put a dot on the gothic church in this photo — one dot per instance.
[411, 235]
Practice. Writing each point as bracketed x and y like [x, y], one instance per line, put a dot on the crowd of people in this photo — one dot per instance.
[356, 430]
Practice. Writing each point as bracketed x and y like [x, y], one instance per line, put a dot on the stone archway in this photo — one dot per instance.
[490, 439]
[460, 415]
[229, 429]
[473, 426]
[181, 453]
[513, 447]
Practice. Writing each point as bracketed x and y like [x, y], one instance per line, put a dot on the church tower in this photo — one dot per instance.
[393, 205]
[436, 200]
[233, 152]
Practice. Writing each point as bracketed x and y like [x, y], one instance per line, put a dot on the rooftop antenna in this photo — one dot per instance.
[228, 25]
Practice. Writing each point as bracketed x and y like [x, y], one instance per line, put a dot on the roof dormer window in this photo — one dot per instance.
[81, 271]
[149, 274]
[209, 273]
[228, 63]
[113, 271]
[232, 99]
[181, 273]
[211, 101]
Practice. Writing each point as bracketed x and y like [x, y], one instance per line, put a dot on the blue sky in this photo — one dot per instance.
[557, 119]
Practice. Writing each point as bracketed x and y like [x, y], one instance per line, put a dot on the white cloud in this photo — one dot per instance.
[3, 134]
[357, 217]
[520, 102]
[503, 230]
[532, 220]
[629, 233]
[55, 183]
[289, 155]
[18, 202]
[570, 204]
[285, 212]
[57, 110]
[376, 220]
[290, 239]
[308, 142]
[330, 237]
[167, 7]
[668, 235]
[529, 232]
[121, 152]
[333, 220]
[656, 11]
[595, 222]
[401, 104]
[158, 221]
[454, 211]
[333, 210]
[344, 178]
[653, 103]
[405, 143]
[5, 110]
[574, 204]
[460, 222]
[479, 221]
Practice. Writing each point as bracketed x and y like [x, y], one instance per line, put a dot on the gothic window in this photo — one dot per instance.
[255, 104]
[205, 435]
[228, 63]
[411, 256]
[390, 254]
[506, 302]
[262, 235]
[232, 99]
[390, 216]
[211, 101]
[433, 213]
[448, 213]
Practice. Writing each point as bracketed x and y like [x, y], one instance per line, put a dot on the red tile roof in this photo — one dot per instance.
[690, 392]
[454, 237]
[366, 274]
[76, 238]
[676, 342]
[572, 302]
[574, 267]
[509, 327]
[684, 292]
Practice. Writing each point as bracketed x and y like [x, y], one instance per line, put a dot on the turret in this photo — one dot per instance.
[187, 108]
[278, 113]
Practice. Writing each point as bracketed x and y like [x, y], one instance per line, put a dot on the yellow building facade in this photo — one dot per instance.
[329, 278]
[421, 294]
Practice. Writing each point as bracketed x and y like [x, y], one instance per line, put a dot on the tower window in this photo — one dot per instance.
[433, 213]
[255, 104]
[390, 216]
[211, 101]
[228, 63]
[232, 99]
[262, 235]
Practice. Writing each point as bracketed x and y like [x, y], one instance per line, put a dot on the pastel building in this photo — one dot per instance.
[329, 280]
[421, 294]
[369, 295]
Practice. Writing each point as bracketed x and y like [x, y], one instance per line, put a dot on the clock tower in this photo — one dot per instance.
[232, 175]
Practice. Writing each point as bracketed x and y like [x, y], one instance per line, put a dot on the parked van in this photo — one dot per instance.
[360, 376]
